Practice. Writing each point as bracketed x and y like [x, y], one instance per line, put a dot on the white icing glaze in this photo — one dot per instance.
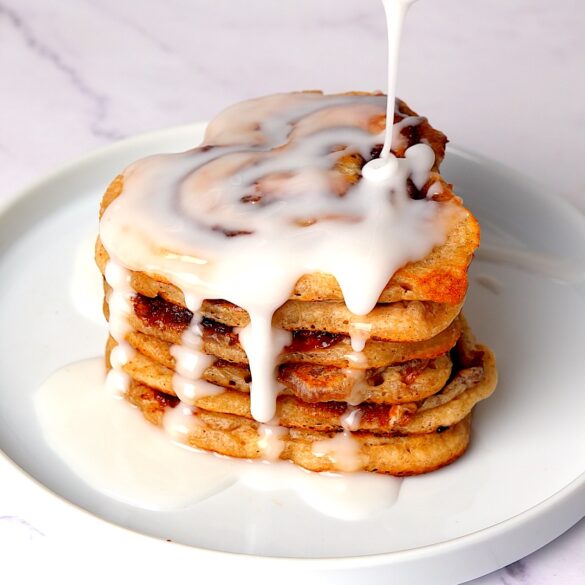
[135, 462]
[351, 418]
[117, 382]
[191, 362]
[359, 333]
[120, 306]
[119, 300]
[132, 461]
[360, 390]
[179, 422]
[169, 218]
[271, 440]
[120, 356]
[189, 390]
[395, 11]
[347, 496]
[264, 343]
[342, 449]
[358, 360]
[173, 219]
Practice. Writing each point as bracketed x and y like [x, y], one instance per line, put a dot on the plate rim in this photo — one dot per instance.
[569, 497]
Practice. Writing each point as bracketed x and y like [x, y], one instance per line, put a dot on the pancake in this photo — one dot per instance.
[240, 437]
[450, 406]
[412, 381]
[408, 382]
[307, 347]
[440, 277]
[401, 321]
[474, 381]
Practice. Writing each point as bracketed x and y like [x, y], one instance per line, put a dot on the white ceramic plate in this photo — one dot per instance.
[520, 485]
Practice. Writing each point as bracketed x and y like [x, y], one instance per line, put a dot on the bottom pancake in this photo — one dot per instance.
[241, 437]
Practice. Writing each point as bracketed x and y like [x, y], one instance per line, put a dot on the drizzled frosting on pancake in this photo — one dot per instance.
[267, 198]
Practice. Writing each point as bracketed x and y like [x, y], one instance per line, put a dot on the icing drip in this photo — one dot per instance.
[264, 343]
[360, 389]
[179, 422]
[395, 11]
[357, 375]
[343, 449]
[271, 440]
[189, 390]
[351, 418]
[120, 305]
[241, 218]
[119, 301]
[359, 334]
[191, 362]
[357, 359]
[117, 382]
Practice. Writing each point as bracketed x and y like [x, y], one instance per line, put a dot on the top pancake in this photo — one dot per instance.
[440, 277]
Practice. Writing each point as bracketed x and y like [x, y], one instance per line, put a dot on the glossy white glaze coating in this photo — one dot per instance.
[109, 444]
[258, 205]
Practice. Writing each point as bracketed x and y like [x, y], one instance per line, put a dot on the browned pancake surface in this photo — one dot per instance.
[440, 277]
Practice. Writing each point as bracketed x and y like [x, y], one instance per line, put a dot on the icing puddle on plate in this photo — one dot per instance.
[108, 443]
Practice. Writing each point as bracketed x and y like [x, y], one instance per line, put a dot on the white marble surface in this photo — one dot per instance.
[501, 77]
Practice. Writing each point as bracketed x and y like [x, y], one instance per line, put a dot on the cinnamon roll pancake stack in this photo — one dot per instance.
[283, 291]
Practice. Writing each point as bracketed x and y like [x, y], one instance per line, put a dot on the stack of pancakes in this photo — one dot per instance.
[400, 406]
